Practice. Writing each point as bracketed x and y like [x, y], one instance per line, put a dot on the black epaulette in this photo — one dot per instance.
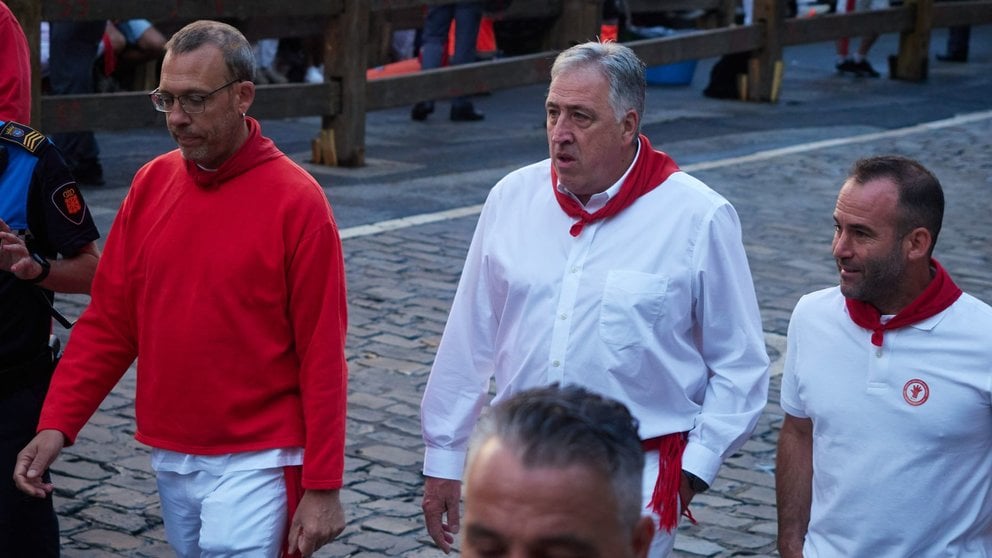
[24, 136]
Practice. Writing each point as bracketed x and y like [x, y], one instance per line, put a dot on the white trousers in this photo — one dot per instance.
[239, 513]
[663, 542]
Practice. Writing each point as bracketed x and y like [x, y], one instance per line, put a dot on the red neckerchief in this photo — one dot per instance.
[939, 294]
[651, 169]
[256, 150]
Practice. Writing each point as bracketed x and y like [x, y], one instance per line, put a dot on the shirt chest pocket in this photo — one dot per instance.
[631, 306]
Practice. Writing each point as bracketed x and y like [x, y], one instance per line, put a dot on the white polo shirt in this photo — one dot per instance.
[902, 436]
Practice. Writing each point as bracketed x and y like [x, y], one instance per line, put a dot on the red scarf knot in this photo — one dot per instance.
[650, 169]
[937, 297]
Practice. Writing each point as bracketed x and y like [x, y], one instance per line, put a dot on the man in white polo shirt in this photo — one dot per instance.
[886, 448]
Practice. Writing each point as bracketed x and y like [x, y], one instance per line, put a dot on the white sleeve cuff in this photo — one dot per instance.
[444, 464]
[701, 462]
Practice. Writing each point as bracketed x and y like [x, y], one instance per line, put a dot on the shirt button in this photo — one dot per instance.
[556, 364]
[564, 316]
[575, 269]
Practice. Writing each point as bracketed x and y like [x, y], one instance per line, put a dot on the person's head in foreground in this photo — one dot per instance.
[556, 471]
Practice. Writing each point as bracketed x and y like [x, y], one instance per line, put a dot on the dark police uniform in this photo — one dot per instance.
[40, 201]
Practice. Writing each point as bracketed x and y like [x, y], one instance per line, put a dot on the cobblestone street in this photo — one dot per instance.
[401, 281]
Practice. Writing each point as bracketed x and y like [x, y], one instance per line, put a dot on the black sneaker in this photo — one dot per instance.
[848, 66]
[421, 110]
[953, 57]
[864, 69]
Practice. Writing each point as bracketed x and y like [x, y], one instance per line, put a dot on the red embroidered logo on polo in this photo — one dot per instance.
[916, 392]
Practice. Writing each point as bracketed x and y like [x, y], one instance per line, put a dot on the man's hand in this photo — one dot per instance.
[319, 518]
[686, 493]
[14, 255]
[34, 460]
[441, 497]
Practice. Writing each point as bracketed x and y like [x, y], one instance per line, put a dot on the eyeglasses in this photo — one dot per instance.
[191, 104]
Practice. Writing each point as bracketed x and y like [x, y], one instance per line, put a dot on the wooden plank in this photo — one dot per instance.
[533, 9]
[806, 30]
[109, 111]
[655, 6]
[913, 60]
[255, 28]
[517, 71]
[519, 8]
[697, 45]
[345, 54]
[947, 14]
[465, 79]
[579, 22]
[765, 64]
[296, 99]
[123, 111]
[162, 10]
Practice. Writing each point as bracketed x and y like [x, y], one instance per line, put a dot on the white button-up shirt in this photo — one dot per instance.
[653, 307]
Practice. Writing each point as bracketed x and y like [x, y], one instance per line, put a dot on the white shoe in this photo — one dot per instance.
[315, 74]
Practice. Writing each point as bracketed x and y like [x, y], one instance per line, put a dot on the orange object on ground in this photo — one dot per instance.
[407, 66]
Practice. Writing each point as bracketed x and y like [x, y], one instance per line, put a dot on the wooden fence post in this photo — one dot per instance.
[28, 14]
[912, 62]
[345, 56]
[578, 22]
[764, 72]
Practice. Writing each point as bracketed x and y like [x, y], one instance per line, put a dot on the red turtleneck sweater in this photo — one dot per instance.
[229, 287]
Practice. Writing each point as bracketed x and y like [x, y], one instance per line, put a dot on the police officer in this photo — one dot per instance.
[42, 216]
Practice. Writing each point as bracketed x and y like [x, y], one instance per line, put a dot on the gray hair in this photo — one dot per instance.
[565, 426]
[621, 67]
[921, 198]
[235, 47]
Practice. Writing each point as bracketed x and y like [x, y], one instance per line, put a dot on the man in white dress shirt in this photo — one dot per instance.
[607, 267]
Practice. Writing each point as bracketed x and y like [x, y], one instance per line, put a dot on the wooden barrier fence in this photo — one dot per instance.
[354, 32]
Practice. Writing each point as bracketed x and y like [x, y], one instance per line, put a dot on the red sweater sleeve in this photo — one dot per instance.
[101, 346]
[318, 308]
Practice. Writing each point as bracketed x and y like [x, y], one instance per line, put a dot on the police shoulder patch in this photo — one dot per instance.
[25, 136]
[69, 202]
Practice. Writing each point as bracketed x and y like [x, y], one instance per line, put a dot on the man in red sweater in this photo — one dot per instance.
[224, 272]
[15, 70]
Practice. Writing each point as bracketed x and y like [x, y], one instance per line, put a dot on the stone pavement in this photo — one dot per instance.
[402, 277]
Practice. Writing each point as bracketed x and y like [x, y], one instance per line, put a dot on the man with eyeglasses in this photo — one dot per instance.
[224, 273]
